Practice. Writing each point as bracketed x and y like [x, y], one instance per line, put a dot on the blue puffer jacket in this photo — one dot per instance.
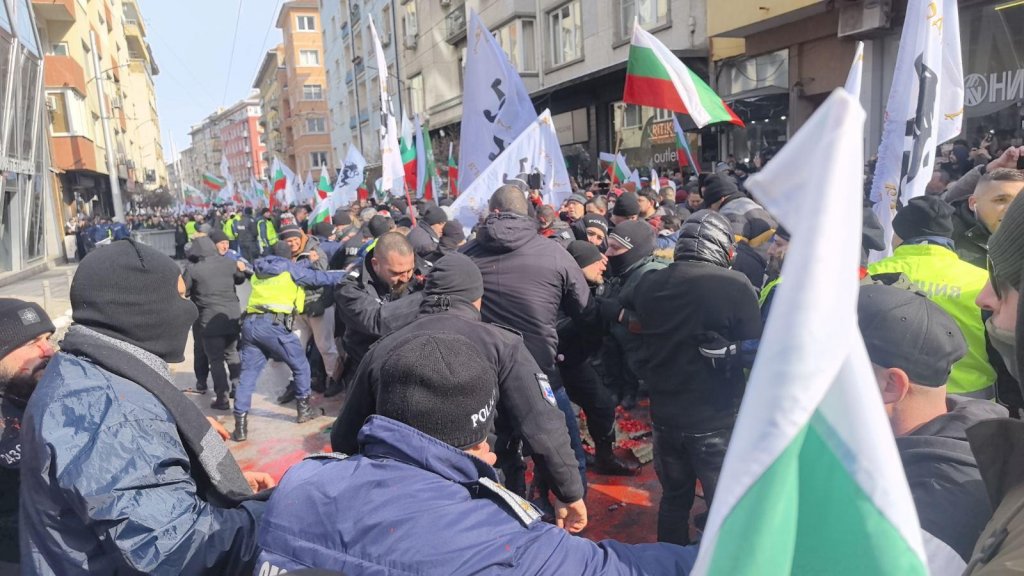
[106, 485]
[410, 504]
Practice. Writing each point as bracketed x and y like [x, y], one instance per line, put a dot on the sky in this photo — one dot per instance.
[192, 45]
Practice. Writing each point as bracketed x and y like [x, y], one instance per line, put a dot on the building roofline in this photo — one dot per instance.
[293, 5]
[264, 66]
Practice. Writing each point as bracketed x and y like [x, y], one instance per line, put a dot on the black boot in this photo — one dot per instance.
[334, 387]
[221, 402]
[241, 432]
[606, 462]
[288, 395]
[201, 388]
[305, 413]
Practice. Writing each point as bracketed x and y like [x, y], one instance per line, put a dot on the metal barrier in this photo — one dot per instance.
[162, 240]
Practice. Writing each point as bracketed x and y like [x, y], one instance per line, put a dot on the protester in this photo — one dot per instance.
[647, 199]
[627, 207]
[977, 216]
[426, 236]
[573, 209]
[423, 475]
[451, 305]
[25, 351]
[247, 235]
[924, 253]
[452, 237]
[121, 473]
[721, 194]
[913, 345]
[694, 303]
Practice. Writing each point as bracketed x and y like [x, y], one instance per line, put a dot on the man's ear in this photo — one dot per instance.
[896, 386]
[972, 203]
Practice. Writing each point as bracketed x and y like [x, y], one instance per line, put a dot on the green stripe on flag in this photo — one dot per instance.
[644, 62]
[807, 515]
[708, 99]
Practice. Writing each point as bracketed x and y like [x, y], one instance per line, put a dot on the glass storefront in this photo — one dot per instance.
[25, 180]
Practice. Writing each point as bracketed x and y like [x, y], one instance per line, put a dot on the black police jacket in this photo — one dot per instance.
[526, 404]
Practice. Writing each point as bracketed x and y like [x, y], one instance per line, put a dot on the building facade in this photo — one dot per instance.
[241, 140]
[28, 227]
[307, 143]
[205, 150]
[270, 81]
[70, 32]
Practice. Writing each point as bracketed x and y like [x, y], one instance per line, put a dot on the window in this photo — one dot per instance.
[650, 14]
[516, 39]
[59, 49]
[306, 23]
[566, 27]
[318, 159]
[632, 116]
[660, 114]
[58, 106]
[312, 92]
[309, 57]
[416, 94]
[316, 125]
[385, 25]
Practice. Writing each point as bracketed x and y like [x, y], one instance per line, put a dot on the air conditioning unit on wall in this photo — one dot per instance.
[863, 17]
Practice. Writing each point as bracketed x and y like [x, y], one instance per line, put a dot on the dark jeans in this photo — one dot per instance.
[221, 349]
[262, 339]
[618, 376]
[200, 363]
[680, 459]
[585, 388]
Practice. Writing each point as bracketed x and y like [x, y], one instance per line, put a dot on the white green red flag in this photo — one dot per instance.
[656, 77]
[812, 482]
[407, 146]
[324, 186]
[615, 166]
[424, 162]
[683, 147]
[453, 172]
[214, 183]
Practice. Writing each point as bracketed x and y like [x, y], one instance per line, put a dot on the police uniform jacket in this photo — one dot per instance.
[526, 403]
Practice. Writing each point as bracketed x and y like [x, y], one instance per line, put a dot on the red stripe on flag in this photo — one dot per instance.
[658, 93]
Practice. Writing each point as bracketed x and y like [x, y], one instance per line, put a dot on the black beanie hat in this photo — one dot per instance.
[323, 229]
[455, 276]
[638, 237]
[924, 216]
[20, 323]
[584, 252]
[289, 231]
[596, 221]
[627, 205]
[441, 385]
[452, 235]
[219, 236]
[434, 215]
[129, 291]
[341, 217]
[379, 226]
[716, 187]
[1006, 254]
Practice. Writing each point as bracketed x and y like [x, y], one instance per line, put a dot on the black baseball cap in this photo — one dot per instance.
[904, 329]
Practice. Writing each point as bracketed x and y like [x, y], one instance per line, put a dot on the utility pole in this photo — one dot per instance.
[115, 186]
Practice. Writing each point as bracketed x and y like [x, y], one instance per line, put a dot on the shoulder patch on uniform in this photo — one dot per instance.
[545, 388]
[525, 512]
[353, 274]
[507, 328]
[327, 456]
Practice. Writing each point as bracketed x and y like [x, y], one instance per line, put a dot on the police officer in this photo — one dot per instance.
[228, 227]
[246, 234]
[421, 496]
[379, 296]
[452, 297]
[277, 296]
[266, 232]
[923, 243]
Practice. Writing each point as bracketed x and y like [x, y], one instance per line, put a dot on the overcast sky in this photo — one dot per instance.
[192, 42]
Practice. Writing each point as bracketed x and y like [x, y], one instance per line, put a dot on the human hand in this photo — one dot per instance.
[1008, 159]
[259, 481]
[314, 256]
[219, 428]
[572, 516]
[240, 266]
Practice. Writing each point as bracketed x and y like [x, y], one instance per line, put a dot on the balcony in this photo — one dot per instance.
[455, 24]
[55, 10]
[132, 28]
[74, 153]
[63, 72]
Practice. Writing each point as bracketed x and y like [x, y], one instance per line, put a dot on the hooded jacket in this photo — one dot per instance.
[944, 479]
[210, 281]
[705, 237]
[527, 279]
[425, 241]
[318, 300]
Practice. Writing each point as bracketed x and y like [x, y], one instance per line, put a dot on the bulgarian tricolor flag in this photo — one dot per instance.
[324, 187]
[812, 482]
[453, 172]
[683, 148]
[214, 183]
[280, 187]
[408, 149]
[656, 78]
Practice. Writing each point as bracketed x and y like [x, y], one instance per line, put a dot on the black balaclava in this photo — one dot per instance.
[129, 291]
[636, 235]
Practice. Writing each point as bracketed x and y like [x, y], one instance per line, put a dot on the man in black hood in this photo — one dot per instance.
[692, 303]
[913, 344]
[426, 236]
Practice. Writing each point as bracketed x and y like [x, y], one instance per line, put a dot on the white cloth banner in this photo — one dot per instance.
[393, 174]
[853, 79]
[496, 107]
[535, 150]
[346, 189]
[925, 107]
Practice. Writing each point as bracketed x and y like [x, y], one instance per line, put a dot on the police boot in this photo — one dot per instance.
[241, 433]
[288, 395]
[221, 402]
[305, 413]
[606, 462]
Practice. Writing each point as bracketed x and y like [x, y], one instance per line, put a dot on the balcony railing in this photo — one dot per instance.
[455, 24]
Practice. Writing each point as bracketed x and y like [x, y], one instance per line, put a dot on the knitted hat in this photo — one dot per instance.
[716, 187]
[218, 236]
[341, 217]
[289, 231]
[323, 229]
[596, 221]
[20, 323]
[129, 291]
[441, 385]
[904, 329]
[434, 215]
[379, 225]
[627, 205]
[1006, 255]
[924, 216]
[584, 252]
[577, 198]
[455, 275]
[452, 235]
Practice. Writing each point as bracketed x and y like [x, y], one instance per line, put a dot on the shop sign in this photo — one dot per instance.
[8, 164]
[1004, 86]
[663, 133]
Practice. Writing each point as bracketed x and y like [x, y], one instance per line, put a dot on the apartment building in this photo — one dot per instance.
[29, 226]
[307, 143]
[206, 149]
[69, 33]
[270, 81]
[241, 140]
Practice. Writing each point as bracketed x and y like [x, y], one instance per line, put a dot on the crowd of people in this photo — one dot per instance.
[464, 351]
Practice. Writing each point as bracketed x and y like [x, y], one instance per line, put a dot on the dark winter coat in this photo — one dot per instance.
[210, 281]
[969, 235]
[527, 279]
[425, 242]
[318, 300]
